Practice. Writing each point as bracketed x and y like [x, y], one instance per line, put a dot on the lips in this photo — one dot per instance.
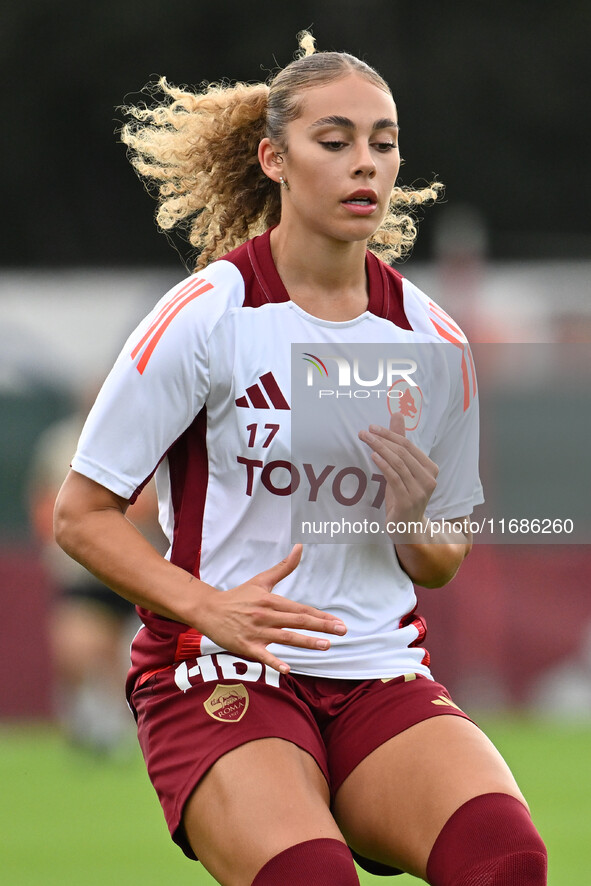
[362, 202]
[362, 197]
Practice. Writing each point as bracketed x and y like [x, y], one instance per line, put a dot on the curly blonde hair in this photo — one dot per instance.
[197, 151]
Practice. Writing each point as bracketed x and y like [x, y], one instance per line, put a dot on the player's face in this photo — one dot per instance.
[342, 159]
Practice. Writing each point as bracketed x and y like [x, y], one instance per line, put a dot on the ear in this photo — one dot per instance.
[271, 159]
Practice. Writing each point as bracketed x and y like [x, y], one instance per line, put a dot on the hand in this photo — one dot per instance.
[411, 476]
[246, 619]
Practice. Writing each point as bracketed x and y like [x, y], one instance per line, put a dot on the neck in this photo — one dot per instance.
[325, 277]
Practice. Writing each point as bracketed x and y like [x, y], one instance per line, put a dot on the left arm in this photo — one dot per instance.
[430, 554]
[434, 563]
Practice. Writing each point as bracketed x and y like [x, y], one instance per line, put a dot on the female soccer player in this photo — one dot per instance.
[285, 706]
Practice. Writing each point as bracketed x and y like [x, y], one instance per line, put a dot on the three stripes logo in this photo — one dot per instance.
[445, 702]
[452, 333]
[147, 344]
[265, 394]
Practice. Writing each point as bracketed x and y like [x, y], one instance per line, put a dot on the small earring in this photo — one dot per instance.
[283, 183]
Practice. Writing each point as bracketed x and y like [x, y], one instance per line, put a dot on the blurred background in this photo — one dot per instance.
[492, 101]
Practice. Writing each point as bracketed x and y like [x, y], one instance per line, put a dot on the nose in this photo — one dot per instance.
[364, 162]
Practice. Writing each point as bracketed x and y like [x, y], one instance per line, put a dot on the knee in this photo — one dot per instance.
[324, 862]
[490, 839]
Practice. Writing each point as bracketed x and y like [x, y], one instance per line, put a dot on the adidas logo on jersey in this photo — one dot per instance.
[255, 395]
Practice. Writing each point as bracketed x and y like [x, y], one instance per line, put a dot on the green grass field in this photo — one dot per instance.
[68, 819]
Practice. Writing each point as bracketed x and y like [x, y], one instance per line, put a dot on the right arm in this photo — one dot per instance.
[91, 526]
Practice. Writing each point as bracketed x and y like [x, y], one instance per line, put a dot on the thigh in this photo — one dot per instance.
[223, 736]
[393, 805]
[256, 801]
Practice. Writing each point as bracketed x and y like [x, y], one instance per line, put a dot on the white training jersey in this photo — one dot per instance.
[201, 395]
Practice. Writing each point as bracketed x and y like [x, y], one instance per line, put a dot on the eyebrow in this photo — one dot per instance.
[346, 123]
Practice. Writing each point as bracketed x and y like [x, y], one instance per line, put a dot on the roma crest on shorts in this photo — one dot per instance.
[227, 703]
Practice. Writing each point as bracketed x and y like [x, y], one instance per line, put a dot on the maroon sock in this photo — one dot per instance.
[489, 841]
[322, 862]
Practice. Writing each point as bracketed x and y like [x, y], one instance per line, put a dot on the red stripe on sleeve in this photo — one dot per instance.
[150, 347]
[162, 313]
[447, 335]
[439, 312]
[472, 369]
[466, 381]
[465, 347]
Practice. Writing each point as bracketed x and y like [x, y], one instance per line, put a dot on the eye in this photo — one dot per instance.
[333, 145]
[384, 147]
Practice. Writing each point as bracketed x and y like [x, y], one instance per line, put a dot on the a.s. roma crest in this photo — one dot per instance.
[408, 400]
[227, 703]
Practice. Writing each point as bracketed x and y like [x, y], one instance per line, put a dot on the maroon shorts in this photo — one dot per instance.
[192, 713]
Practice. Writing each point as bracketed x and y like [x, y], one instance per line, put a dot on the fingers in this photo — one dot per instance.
[379, 438]
[281, 636]
[277, 620]
[411, 476]
[397, 425]
[270, 577]
[301, 616]
[397, 456]
[248, 618]
[279, 612]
